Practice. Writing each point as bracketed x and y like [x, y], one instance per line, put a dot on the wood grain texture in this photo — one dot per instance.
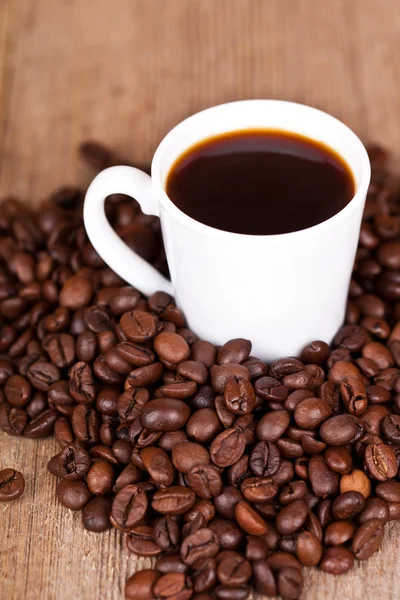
[125, 72]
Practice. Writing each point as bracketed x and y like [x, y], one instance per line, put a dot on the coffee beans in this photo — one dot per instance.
[336, 560]
[367, 539]
[129, 507]
[230, 471]
[380, 461]
[12, 485]
[164, 414]
[73, 494]
[202, 544]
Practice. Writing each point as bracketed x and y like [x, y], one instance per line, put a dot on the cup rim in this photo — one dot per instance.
[292, 236]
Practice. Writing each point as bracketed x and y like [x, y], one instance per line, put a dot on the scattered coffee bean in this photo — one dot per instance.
[12, 485]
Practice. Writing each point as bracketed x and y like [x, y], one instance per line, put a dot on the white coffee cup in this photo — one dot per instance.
[279, 291]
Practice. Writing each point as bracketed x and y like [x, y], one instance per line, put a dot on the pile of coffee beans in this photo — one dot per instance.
[229, 472]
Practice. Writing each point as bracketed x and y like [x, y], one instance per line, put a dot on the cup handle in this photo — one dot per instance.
[124, 261]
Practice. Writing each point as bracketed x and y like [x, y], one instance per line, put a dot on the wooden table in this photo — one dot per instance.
[124, 72]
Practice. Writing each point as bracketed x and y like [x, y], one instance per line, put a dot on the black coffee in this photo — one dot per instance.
[260, 182]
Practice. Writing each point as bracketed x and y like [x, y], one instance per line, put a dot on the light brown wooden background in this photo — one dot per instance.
[124, 72]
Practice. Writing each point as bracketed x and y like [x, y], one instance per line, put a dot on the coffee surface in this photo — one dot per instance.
[260, 182]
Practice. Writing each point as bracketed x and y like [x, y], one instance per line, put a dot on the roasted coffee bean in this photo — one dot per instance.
[239, 396]
[200, 545]
[138, 326]
[42, 374]
[179, 390]
[71, 463]
[187, 455]
[234, 351]
[164, 414]
[73, 494]
[311, 412]
[380, 461]
[357, 481]
[221, 374]
[224, 592]
[86, 424]
[167, 533]
[339, 459]
[228, 533]
[76, 293]
[42, 425]
[173, 585]
[171, 347]
[100, 478]
[17, 390]
[317, 352]
[348, 505]
[341, 430]
[37, 405]
[336, 560]
[285, 473]
[158, 464]
[204, 425]
[308, 549]
[63, 432]
[145, 376]
[205, 576]
[174, 500]
[249, 520]
[390, 427]
[141, 541]
[193, 370]
[389, 491]
[130, 474]
[264, 580]
[226, 417]
[205, 480]
[295, 490]
[265, 459]
[171, 563]
[203, 510]
[140, 585]
[226, 501]
[259, 489]
[12, 485]
[354, 396]
[324, 481]
[271, 388]
[290, 583]
[273, 425]
[292, 517]
[81, 384]
[375, 508]
[368, 539]
[96, 515]
[339, 533]
[234, 571]
[130, 404]
[129, 507]
[115, 362]
[204, 352]
[122, 450]
[227, 448]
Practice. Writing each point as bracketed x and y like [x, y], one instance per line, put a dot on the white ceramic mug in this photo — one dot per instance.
[279, 291]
